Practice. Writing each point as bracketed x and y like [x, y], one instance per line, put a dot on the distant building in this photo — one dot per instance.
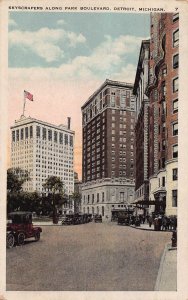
[162, 91]
[77, 192]
[108, 120]
[43, 150]
[142, 128]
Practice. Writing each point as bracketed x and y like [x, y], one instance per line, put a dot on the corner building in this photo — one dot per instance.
[162, 91]
[142, 128]
[43, 150]
[108, 120]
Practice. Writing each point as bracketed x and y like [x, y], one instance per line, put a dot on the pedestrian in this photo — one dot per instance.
[150, 221]
[164, 222]
[159, 222]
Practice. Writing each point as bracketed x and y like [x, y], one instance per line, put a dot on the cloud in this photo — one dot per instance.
[61, 22]
[12, 23]
[46, 43]
[108, 60]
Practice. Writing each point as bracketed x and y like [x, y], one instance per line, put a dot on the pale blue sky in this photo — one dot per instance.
[47, 39]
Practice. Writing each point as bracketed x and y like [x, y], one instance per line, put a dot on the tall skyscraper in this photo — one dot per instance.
[142, 127]
[43, 150]
[108, 120]
[162, 91]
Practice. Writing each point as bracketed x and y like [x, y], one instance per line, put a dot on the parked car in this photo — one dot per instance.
[98, 219]
[20, 228]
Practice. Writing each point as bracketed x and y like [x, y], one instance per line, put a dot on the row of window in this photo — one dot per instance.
[27, 132]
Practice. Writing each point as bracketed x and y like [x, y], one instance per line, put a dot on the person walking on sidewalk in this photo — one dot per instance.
[150, 221]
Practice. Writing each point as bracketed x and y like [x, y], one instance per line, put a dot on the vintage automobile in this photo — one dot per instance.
[98, 219]
[123, 218]
[20, 228]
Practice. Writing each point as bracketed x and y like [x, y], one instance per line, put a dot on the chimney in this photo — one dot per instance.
[68, 122]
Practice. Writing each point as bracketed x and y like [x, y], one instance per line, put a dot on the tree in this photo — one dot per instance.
[16, 178]
[56, 186]
[15, 196]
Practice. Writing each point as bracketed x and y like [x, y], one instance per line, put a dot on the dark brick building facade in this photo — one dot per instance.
[163, 124]
[108, 146]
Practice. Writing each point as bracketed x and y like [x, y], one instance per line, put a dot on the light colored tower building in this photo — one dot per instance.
[108, 149]
[43, 150]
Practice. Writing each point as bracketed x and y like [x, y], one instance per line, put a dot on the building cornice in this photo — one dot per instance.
[29, 120]
[107, 82]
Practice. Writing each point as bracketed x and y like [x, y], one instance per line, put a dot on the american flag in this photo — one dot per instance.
[28, 95]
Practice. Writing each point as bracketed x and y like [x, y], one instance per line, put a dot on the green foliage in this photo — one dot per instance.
[15, 179]
[54, 184]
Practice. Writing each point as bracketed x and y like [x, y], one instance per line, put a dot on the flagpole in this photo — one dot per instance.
[24, 104]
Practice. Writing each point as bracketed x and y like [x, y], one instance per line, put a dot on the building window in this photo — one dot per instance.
[122, 196]
[26, 132]
[17, 135]
[102, 196]
[49, 135]
[55, 136]
[22, 134]
[123, 101]
[66, 139]
[175, 151]
[163, 144]
[163, 181]
[175, 17]
[164, 71]
[88, 199]
[71, 141]
[31, 131]
[176, 61]
[176, 38]
[97, 197]
[174, 198]
[103, 211]
[61, 138]
[163, 127]
[13, 136]
[163, 89]
[175, 129]
[175, 106]
[44, 133]
[175, 84]
[38, 131]
[93, 198]
[112, 100]
[175, 174]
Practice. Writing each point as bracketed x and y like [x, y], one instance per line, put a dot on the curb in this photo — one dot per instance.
[148, 229]
[160, 271]
[140, 228]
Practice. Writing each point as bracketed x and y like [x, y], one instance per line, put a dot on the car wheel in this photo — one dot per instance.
[37, 236]
[21, 238]
[10, 240]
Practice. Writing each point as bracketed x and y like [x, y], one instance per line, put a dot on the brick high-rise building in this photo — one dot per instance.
[142, 127]
[108, 148]
[43, 150]
[163, 125]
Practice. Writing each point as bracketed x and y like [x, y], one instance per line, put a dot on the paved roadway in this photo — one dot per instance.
[88, 257]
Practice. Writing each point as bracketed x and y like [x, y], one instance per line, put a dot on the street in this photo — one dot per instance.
[88, 257]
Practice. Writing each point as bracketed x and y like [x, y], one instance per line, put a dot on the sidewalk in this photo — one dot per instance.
[167, 274]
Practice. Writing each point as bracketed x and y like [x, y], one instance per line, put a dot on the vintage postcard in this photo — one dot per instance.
[93, 139]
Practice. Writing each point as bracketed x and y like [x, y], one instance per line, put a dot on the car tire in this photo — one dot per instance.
[21, 238]
[37, 236]
[10, 241]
